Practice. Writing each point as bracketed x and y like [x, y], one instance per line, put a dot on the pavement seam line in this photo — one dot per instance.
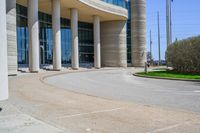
[170, 127]
[94, 112]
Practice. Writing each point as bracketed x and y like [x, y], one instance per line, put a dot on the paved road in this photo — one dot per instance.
[121, 85]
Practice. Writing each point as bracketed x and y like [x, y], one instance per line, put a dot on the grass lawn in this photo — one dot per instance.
[171, 74]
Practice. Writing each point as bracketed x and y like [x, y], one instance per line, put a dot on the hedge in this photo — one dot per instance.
[184, 55]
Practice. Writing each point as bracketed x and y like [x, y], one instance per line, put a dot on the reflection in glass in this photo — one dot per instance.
[86, 48]
[22, 37]
[86, 42]
[128, 29]
[122, 3]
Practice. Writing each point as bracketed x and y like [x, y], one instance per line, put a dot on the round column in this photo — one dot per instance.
[74, 32]
[138, 32]
[56, 35]
[12, 37]
[97, 46]
[3, 53]
[114, 43]
[33, 27]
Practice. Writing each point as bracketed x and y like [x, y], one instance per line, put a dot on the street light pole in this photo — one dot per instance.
[170, 20]
[150, 47]
[167, 23]
[159, 38]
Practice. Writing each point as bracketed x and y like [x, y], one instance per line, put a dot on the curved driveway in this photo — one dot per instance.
[121, 85]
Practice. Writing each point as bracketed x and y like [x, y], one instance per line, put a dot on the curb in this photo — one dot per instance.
[73, 71]
[177, 79]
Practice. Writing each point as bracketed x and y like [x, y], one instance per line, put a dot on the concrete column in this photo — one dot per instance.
[97, 46]
[74, 28]
[138, 32]
[113, 44]
[11, 36]
[33, 27]
[3, 53]
[56, 35]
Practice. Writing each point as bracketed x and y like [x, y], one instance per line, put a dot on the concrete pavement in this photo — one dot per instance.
[67, 111]
[12, 120]
[120, 84]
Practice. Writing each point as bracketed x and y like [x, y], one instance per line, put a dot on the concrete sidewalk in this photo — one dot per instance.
[35, 106]
[14, 121]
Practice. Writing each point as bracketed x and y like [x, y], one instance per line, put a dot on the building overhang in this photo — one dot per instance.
[86, 9]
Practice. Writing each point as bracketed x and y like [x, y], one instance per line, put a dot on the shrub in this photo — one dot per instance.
[184, 55]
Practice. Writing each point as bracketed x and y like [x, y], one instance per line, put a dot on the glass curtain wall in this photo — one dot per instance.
[128, 30]
[22, 36]
[121, 3]
[46, 52]
[86, 43]
[46, 47]
[65, 41]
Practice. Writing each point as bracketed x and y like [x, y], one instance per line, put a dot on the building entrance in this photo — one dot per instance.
[85, 34]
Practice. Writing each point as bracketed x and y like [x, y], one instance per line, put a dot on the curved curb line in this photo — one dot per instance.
[70, 72]
[42, 80]
[177, 79]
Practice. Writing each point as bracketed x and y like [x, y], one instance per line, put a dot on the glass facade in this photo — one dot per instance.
[22, 35]
[122, 3]
[45, 35]
[85, 33]
[128, 30]
[65, 41]
[86, 42]
[86, 48]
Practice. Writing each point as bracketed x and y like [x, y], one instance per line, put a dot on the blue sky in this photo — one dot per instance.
[186, 21]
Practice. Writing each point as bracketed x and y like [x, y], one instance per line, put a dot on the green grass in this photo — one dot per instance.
[171, 74]
[160, 69]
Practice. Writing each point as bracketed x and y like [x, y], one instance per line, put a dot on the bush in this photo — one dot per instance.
[184, 55]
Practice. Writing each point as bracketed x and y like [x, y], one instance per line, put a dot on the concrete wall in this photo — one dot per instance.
[113, 44]
[3, 53]
[11, 36]
[138, 32]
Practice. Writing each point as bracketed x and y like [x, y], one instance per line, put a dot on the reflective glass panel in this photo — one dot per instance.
[122, 3]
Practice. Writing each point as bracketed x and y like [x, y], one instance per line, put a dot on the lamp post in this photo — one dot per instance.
[159, 38]
[169, 21]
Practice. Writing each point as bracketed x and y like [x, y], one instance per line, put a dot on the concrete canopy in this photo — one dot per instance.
[86, 9]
